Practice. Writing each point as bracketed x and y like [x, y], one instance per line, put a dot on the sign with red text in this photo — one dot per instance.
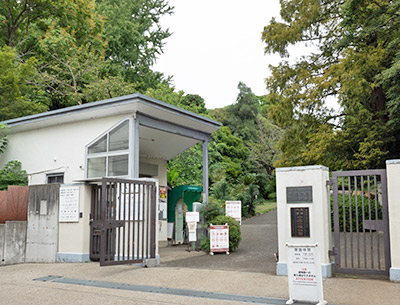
[219, 238]
[304, 274]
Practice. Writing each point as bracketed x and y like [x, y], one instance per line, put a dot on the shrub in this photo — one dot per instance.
[234, 230]
[248, 199]
[211, 211]
[12, 174]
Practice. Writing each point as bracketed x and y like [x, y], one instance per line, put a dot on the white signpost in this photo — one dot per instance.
[69, 204]
[192, 218]
[304, 274]
[234, 209]
[219, 238]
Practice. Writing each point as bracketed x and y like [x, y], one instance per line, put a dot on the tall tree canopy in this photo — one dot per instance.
[354, 60]
[84, 50]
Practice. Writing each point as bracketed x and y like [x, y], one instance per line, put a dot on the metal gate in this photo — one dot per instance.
[360, 218]
[123, 219]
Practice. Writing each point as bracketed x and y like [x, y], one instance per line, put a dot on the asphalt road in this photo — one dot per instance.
[255, 252]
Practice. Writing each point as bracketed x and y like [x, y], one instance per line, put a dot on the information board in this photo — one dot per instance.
[304, 274]
[192, 216]
[192, 227]
[69, 204]
[219, 238]
[234, 209]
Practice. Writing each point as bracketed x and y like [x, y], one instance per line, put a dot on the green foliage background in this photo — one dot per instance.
[58, 53]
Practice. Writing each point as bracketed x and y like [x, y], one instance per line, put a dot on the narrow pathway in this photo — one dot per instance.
[255, 253]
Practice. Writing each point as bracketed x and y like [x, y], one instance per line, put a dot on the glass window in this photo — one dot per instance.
[119, 137]
[99, 146]
[96, 167]
[112, 158]
[55, 178]
[118, 165]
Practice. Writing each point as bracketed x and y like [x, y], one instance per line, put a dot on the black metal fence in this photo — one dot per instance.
[360, 218]
[123, 227]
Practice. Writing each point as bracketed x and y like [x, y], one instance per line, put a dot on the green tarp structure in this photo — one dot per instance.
[190, 194]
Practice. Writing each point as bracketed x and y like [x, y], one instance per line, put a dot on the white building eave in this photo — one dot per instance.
[135, 103]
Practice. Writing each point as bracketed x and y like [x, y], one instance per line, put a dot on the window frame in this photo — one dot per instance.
[108, 153]
[52, 175]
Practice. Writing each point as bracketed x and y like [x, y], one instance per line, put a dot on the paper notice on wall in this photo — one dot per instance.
[219, 238]
[304, 274]
[69, 204]
[234, 209]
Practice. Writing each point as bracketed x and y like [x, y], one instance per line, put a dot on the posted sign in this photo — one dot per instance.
[192, 218]
[219, 238]
[69, 204]
[304, 274]
[234, 209]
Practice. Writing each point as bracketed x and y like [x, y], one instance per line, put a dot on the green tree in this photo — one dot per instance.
[241, 116]
[3, 138]
[12, 174]
[354, 60]
[135, 38]
[14, 85]
[16, 17]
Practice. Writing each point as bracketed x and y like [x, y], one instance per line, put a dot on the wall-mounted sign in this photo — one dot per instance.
[163, 193]
[69, 204]
[299, 194]
[300, 222]
[234, 209]
[304, 274]
[219, 238]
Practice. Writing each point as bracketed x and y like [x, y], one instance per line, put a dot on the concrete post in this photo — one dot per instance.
[304, 188]
[205, 172]
[134, 148]
[393, 187]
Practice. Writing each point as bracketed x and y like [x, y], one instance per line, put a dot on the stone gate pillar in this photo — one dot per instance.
[393, 185]
[303, 205]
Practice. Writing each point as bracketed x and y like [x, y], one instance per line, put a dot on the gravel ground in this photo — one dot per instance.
[255, 252]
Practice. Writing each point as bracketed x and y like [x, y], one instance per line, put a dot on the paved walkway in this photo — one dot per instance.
[255, 252]
[223, 280]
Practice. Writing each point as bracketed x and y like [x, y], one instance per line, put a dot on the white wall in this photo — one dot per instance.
[162, 178]
[57, 149]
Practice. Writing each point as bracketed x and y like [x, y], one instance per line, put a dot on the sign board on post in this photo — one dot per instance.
[192, 218]
[304, 274]
[219, 238]
[69, 204]
[234, 209]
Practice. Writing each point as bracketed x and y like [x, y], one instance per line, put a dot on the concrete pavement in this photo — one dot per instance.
[183, 278]
[18, 285]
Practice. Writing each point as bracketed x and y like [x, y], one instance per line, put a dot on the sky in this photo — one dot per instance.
[216, 44]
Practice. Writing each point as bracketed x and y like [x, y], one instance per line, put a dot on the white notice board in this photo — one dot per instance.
[192, 216]
[69, 204]
[304, 274]
[234, 209]
[219, 238]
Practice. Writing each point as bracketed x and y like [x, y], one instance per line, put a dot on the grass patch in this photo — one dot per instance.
[265, 207]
